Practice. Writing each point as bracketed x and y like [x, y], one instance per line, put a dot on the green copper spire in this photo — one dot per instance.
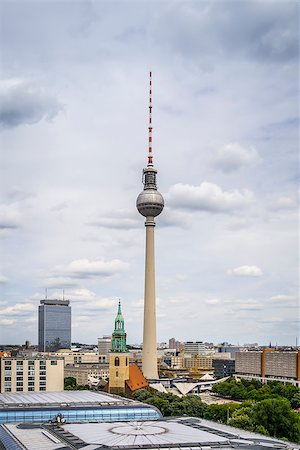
[118, 343]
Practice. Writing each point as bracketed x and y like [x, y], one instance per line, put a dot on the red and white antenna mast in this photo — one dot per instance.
[150, 162]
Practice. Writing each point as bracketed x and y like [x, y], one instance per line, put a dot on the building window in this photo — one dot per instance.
[31, 378]
[54, 363]
[117, 373]
[126, 361]
[7, 378]
[19, 378]
[7, 363]
[42, 388]
[117, 361]
[30, 363]
[19, 363]
[19, 389]
[7, 389]
[20, 383]
[31, 388]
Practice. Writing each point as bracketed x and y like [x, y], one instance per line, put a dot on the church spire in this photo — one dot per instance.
[118, 343]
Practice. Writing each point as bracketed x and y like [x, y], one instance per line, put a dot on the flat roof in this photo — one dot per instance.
[182, 433]
[65, 398]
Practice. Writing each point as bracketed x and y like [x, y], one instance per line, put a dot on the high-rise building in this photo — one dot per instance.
[119, 357]
[54, 325]
[150, 204]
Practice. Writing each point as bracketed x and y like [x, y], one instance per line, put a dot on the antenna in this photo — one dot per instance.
[150, 163]
[63, 294]
[46, 293]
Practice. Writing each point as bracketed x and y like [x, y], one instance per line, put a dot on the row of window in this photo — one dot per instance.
[19, 363]
[79, 415]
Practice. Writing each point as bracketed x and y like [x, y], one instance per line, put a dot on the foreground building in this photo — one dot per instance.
[269, 365]
[183, 433]
[54, 325]
[19, 374]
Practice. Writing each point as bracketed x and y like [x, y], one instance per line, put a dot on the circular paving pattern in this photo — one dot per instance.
[138, 429]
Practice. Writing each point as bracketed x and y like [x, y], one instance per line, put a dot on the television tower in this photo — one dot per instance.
[150, 204]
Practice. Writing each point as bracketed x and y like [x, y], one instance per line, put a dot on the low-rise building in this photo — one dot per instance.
[70, 357]
[19, 374]
[85, 372]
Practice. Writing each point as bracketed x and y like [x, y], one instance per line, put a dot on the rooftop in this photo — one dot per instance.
[184, 433]
[65, 398]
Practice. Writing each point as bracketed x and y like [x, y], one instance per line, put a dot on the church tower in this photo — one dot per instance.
[118, 357]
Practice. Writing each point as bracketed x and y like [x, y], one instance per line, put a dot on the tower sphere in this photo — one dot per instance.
[150, 203]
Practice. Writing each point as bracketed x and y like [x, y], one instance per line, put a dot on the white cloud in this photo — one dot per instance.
[212, 301]
[233, 156]
[246, 271]
[207, 197]
[17, 309]
[284, 203]
[7, 322]
[3, 279]
[10, 216]
[283, 298]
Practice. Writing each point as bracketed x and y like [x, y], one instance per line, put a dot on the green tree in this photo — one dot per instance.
[276, 417]
[295, 400]
[70, 383]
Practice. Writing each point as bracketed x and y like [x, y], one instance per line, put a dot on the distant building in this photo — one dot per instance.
[228, 348]
[195, 348]
[84, 373]
[37, 374]
[119, 356]
[54, 325]
[223, 367]
[104, 346]
[177, 345]
[268, 365]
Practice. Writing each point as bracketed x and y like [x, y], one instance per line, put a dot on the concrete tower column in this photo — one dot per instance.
[149, 360]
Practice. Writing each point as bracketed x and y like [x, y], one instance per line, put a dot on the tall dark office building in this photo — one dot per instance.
[54, 325]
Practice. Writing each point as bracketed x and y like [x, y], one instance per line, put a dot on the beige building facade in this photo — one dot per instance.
[269, 364]
[31, 375]
[75, 357]
[83, 373]
[118, 371]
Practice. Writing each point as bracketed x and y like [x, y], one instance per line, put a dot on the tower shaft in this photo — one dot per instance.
[149, 359]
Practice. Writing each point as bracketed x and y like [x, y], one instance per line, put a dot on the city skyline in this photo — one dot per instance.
[73, 120]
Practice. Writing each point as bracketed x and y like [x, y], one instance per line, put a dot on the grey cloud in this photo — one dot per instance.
[86, 269]
[22, 102]
[262, 30]
[233, 156]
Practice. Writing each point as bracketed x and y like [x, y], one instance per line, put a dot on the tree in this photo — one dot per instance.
[276, 417]
[295, 400]
[70, 383]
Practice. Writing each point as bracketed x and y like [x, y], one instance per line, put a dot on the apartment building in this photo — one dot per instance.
[19, 374]
[269, 364]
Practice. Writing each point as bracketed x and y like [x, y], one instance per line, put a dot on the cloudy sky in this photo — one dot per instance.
[73, 132]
